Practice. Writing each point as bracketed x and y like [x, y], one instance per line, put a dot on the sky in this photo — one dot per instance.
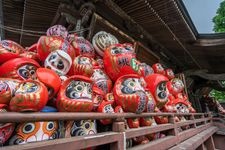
[201, 13]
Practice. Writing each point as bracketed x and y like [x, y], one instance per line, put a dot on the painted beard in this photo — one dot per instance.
[102, 80]
[83, 66]
[83, 127]
[131, 95]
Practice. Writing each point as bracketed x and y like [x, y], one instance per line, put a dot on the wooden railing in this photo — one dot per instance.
[197, 123]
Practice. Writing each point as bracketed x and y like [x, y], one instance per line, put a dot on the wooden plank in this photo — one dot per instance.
[37, 116]
[73, 143]
[160, 144]
[130, 133]
[184, 123]
[201, 147]
[196, 140]
[201, 120]
[209, 143]
[101, 24]
[191, 132]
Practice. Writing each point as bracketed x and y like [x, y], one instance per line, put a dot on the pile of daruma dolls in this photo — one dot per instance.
[63, 72]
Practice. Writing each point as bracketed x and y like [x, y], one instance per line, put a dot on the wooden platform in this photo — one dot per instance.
[198, 136]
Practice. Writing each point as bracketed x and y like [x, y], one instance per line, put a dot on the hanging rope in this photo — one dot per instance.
[24, 11]
[34, 33]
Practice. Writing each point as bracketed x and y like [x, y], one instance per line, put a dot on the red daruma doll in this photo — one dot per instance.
[19, 68]
[156, 83]
[76, 95]
[6, 129]
[9, 50]
[119, 60]
[101, 80]
[130, 94]
[30, 96]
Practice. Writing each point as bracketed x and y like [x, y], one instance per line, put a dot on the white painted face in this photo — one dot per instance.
[27, 71]
[159, 67]
[79, 90]
[108, 109]
[58, 61]
[83, 127]
[181, 108]
[101, 80]
[131, 86]
[99, 74]
[34, 131]
[123, 49]
[84, 61]
[147, 70]
[177, 84]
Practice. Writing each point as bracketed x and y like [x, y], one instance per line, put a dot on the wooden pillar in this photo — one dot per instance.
[211, 117]
[192, 117]
[203, 116]
[209, 143]
[119, 126]
[173, 131]
[201, 147]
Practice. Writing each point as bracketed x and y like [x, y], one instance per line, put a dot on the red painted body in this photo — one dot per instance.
[11, 68]
[30, 96]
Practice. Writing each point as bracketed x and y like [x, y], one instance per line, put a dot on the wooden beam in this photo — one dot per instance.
[37, 116]
[160, 144]
[73, 143]
[203, 74]
[209, 42]
[137, 31]
[131, 133]
[196, 140]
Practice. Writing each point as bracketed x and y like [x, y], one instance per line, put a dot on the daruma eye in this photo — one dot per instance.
[162, 95]
[79, 88]
[131, 83]
[28, 128]
[32, 72]
[24, 73]
[52, 57]
[89, 90]
[50, 126]
[87, 125]
[72, 94]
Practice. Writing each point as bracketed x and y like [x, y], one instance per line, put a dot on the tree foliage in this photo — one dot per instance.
[218, 95]
[219, 19]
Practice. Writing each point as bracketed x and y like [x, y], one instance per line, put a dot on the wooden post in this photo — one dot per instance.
[203, 116]
[201, 147]
[209, 143]
[192, 117]
[174, 131]
[119, 126]
[210, 116]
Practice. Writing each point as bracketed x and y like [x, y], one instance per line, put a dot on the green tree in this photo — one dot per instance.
[218, 95]
[219, 19]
